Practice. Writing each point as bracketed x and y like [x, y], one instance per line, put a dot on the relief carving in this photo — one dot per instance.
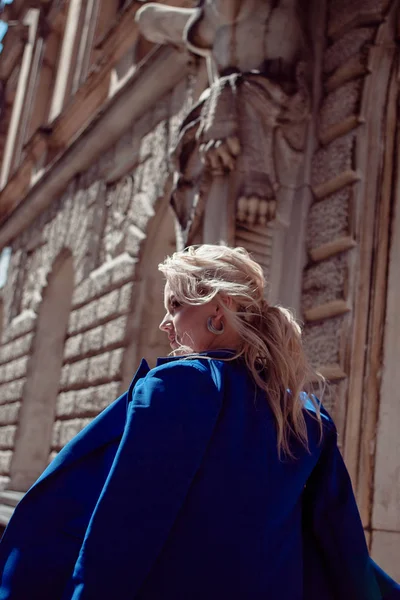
[246, 136]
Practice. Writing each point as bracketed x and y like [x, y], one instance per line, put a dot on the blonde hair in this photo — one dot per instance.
[271, 338]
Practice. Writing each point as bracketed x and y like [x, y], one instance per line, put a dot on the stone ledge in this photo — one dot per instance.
[331, 133]
[332, 248]
[353, 69]
[336, 183]
[328, 310]
[344, 49]
[332, 372]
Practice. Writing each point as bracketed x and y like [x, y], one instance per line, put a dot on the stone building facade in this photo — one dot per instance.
[92, 107]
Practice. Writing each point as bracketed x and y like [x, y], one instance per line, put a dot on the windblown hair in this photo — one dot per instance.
[271, 338]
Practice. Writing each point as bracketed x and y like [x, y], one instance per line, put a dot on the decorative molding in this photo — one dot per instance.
[369, 159]
[352, 69]
[357, 14]
[335, 308]
[331, 372]
[338, 129]
[332, 248]
[336, 183]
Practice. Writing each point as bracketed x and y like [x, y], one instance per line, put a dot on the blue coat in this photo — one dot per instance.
[176, 492]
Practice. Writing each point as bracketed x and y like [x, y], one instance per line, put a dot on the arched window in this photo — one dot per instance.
[35, 425]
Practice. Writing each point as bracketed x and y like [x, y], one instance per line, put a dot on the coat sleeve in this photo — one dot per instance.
[332, 518]
[170, 421]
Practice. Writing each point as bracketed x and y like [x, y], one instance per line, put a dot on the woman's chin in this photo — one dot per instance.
[179, 349]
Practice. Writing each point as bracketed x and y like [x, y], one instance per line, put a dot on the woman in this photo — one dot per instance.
[214, 476]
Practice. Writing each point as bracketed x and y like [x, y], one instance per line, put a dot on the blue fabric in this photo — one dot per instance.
[176, 491]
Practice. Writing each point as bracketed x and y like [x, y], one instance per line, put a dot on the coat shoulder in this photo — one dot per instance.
[196, 371]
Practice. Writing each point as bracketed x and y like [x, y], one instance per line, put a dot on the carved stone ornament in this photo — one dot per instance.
[249, 127]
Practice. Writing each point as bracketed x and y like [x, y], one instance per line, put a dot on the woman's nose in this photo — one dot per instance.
[165, 323]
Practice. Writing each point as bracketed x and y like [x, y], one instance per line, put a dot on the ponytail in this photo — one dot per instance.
[275, 357]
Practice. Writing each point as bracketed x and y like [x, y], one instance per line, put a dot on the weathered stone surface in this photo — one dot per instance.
[92, 340]
[331, 160]
[123, 269]
[55, 439]
[134, 240]
[69, 429]
[52, 456]
[325, 282]
[66, 404]
[21, 325]
[82, 293]
[73, 322]
[329, 219]
[115, 332]
[181, 100]
[5, 461]
[340, 104]
[17, 348]
[78, 372]
[345, 16]
[386, 551]
[9, 413]
[64, 377]
[99, 368]
[91, 401]
[125, 296]
[7, 436]
[11, 391]
[101, 279]
[115, 365]
[14, 369]
[107, 306]
[73, 347]
[347, 46]
[36, 278]
[87, 316]
[4, 482]
[324, 342]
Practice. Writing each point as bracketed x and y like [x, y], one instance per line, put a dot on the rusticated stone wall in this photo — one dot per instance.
[349, 234]
[103, 218]
[337, 218]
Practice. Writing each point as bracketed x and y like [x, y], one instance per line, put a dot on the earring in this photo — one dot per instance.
[212, 329]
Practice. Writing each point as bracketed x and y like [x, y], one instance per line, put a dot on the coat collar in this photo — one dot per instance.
[221, 354]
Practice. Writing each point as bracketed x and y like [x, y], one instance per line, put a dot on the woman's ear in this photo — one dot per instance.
[228, 302]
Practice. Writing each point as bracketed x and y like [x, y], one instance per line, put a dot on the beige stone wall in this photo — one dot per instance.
[349, 227]
[106, 219]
